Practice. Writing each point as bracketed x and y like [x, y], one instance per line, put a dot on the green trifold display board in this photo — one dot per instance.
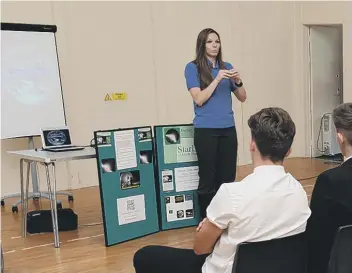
[127, 183]
[177, 172]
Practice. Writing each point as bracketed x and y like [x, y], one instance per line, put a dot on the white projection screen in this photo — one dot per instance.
[31, 95]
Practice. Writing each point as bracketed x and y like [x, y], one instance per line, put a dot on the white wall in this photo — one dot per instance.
[142, 48]
[267, 61]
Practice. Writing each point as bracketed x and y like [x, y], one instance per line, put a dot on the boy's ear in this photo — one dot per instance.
[252, 146]
[288, 152]
[340, 138]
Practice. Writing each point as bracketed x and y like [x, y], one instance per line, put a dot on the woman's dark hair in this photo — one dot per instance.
[201, 60]
[273, 132]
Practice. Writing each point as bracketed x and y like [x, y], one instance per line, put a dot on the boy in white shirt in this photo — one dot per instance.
[267, 204]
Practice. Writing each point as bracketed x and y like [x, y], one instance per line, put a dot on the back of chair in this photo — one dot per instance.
[282, 255]
[341, 252]
[2, 261]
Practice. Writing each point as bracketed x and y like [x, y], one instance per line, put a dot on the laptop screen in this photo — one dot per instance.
[57, 137]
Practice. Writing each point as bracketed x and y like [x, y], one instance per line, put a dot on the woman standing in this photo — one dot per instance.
[210, 82]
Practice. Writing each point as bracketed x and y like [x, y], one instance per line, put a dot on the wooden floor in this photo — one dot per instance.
[83, 250]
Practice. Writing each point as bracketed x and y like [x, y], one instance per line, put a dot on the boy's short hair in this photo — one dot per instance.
[342, 116]
[273, 132]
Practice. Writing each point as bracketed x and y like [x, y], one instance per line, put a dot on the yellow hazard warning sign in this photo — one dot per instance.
[107, 97]
[116, 96]
[119, 96]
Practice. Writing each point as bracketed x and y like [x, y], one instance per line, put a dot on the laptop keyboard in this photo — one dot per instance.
[60, 148]
[68, 148]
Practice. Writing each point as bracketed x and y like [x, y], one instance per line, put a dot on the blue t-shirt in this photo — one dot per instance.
[217, 111]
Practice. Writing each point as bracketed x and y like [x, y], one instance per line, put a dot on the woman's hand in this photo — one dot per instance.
[223, 74]
[235, 75]
[240, 92]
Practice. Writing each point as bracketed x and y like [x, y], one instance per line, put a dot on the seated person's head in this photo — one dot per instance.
[342, 116]
[273, 132]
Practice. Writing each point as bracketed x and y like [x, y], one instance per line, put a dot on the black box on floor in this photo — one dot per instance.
[39, 221]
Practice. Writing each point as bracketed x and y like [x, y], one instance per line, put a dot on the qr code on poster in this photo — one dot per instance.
[130, 205]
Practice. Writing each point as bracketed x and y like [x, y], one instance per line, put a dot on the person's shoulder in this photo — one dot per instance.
[230, 191]
[228, 65]
[239, 186]
[191, 65]
[334, 175]
[329, 181]
[190, 68]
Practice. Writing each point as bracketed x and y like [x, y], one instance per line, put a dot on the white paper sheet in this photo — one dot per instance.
[186, 178]
[168, 180]
[131, 209]
[125, 150]
[179, 207]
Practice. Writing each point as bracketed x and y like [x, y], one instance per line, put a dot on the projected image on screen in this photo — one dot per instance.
[29, 80]
[31, 95]
[28, 83]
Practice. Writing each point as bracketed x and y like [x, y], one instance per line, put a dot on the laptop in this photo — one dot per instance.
[58, 139]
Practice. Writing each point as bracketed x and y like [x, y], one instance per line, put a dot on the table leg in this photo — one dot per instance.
[25, 204]
[56, 233]
[52, 206]
[22, 197]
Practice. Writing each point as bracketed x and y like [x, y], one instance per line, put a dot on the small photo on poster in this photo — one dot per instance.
[168, 180]
[130, 180]
[172, 136]
[179, 198]
[108, 165]
[188, 197]
[189, 213]
[144, 134]
[180, 214]
[145, 157]
[103, 139]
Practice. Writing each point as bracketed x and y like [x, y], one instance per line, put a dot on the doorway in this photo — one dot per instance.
[325, 53]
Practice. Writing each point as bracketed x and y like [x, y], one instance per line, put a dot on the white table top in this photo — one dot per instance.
[47, 157]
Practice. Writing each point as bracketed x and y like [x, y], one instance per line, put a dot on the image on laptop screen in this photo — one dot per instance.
[57, 137]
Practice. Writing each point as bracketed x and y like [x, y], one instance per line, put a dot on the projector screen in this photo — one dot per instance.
[31, 95]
